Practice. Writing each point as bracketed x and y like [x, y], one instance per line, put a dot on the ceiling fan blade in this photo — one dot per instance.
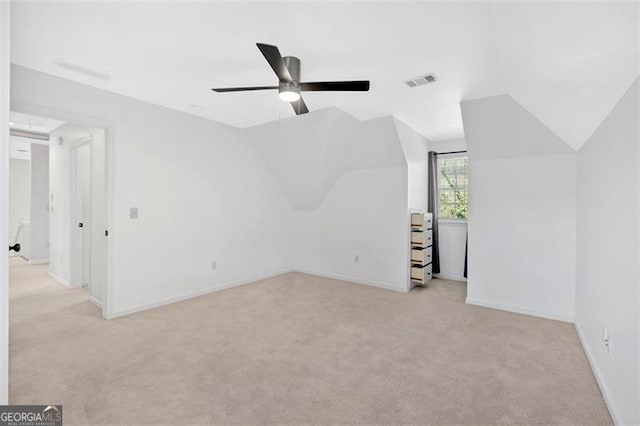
[300, 107]
[336, 86]
[273, 56]
[243, 89]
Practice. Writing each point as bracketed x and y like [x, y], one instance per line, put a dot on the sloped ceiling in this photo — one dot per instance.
[566, 62]
[308, 154]
[499, 127]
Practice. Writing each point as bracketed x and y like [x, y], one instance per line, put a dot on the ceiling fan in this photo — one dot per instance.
[287, 70]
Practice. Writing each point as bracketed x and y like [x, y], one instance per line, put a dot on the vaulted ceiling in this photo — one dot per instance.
[565, 62]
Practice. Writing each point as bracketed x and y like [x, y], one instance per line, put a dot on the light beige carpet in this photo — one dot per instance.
[296, 349]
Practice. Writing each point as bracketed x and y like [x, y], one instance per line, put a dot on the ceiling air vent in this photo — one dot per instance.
[81, 70]
[421, 80]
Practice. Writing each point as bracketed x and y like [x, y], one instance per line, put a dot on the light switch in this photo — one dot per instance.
[133, 213]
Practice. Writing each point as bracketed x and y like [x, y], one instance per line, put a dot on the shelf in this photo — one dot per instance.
[420, 269]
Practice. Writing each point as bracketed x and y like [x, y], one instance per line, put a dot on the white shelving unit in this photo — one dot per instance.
[421, 248]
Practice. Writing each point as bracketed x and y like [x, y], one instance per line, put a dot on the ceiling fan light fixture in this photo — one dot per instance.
[289, 93]
[290, 96]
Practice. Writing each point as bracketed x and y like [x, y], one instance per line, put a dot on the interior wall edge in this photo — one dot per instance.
[60, 280]
[500, 127]
[515, 157]
[518, 310]
[95, 302]
[202, 292]
[354, 280]
[190, 295]
[604, 389]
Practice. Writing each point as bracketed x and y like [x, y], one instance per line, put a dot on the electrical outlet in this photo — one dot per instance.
[214, 265]
[133, 213]
[356, 259]
[606, 340]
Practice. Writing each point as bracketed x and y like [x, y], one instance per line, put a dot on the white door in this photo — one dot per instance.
[82, 214]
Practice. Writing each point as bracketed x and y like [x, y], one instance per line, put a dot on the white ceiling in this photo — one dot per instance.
[566, 62]
[32, 122]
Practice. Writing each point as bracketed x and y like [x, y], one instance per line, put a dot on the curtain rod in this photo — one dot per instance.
[452, 152]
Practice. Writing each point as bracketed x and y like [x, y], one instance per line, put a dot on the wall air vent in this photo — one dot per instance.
[421, 80]
[81, 70]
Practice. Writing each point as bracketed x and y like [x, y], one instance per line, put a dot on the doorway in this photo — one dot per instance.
[81, 213]
[71, 205]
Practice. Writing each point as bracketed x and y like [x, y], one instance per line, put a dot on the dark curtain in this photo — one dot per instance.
[466, 255]
[432, 206]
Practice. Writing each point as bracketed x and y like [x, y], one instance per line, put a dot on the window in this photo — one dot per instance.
[453, 187]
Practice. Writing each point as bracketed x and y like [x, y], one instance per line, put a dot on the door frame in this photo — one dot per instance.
[108, 128]
[5, 67]
[76, 238]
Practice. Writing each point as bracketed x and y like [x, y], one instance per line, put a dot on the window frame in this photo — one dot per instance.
[438, 174]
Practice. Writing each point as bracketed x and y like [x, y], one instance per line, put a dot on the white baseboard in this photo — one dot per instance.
[191, 295]
[606, 393]
[450, 277]
[95, 302]
[59, 280]
[353, 280]
[38, 261]
[547, 315]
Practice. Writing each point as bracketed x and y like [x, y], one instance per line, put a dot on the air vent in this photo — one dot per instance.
[421, 80]
[81, 70]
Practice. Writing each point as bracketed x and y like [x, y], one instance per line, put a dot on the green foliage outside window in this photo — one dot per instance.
[453, 188]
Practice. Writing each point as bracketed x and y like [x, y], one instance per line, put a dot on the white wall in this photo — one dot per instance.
[19, 204]
[607, 280]
[348, 182]
[364, 215]
[39, 204]
[521, 211]
[202, 191]
[4, 199]
[452, 239]
[306, 154]
[20, 148]
[522, 235]
[415, 148]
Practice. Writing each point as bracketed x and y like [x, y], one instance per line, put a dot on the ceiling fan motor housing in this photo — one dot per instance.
[289, 90]
[293, 65]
